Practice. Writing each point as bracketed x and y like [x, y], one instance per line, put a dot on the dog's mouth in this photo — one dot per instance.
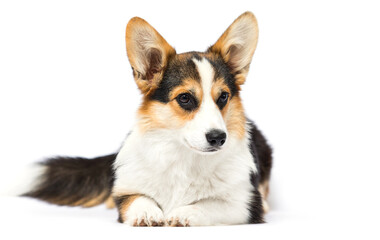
[202, 150]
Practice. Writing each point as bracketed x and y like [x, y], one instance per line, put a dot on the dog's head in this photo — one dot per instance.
[196, 94]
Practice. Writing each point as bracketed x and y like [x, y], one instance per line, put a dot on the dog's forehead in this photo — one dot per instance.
[183, 66]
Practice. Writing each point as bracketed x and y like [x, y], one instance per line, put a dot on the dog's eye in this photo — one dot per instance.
[187, 101]
[222, 100]
[184, 98]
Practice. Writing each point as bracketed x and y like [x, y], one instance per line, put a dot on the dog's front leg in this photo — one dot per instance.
[208, 212]
[139, 211]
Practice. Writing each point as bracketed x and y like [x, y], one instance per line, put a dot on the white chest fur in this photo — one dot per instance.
[155, 165]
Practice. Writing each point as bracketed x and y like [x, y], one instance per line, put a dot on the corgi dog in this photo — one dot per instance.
[192, 158]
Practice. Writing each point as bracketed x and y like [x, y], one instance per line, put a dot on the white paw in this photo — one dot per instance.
[144, 212]
[187, 216]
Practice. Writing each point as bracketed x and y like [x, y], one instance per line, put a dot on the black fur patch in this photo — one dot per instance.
[262, 155]
[177, 70]
[222, 100]
[256, 211]
[119, 202]
[222, 71]
[261, 152]
[75, 181]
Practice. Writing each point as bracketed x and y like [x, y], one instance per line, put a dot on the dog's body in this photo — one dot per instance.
[192, 158]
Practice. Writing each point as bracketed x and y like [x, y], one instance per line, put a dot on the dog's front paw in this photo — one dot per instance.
[187, 216]
[144, 212]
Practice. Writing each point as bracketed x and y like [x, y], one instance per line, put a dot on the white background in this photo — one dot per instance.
[66, 88]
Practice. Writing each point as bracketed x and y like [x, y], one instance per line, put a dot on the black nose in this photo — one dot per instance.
[216, 138]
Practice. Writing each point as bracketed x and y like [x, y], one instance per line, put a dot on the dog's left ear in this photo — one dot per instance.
[148, 53]
[237, 45]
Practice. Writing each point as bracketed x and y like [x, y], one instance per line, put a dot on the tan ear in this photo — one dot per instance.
[237, 45]
[148, 53]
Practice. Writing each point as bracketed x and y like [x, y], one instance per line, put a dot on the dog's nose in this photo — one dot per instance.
[216, 138]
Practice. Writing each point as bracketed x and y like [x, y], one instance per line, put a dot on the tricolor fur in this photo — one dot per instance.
[192, 158]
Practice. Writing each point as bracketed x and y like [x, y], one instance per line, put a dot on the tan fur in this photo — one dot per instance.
[123, 207]
[235, 118]
[82, 202]
[218, 87]
[110, 203]
[188, 86]
[153, 115]
[148, 117]
[264, 191]
[95, 201]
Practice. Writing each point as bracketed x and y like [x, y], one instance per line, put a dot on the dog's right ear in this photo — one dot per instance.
[148, 53]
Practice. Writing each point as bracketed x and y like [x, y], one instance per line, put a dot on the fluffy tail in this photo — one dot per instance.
[75, 181]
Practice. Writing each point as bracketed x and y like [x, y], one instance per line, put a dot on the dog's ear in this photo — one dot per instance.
[237, 45]
[148, 53]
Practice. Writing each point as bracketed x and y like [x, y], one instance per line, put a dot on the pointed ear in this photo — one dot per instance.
[148, 53]
[237, 45]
